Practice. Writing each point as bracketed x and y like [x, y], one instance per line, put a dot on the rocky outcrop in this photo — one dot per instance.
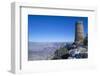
[75, 51]
[60, 52]
[79, 52]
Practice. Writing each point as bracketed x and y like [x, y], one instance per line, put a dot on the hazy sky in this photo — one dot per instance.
[43, 28]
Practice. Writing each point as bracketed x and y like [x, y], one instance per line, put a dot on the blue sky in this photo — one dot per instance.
[43, 28]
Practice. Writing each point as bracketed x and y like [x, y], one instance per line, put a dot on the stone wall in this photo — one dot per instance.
[79, 32]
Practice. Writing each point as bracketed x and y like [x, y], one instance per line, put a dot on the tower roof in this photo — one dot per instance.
[79, 22]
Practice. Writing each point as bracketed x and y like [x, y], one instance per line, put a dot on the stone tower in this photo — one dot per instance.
[79, 32]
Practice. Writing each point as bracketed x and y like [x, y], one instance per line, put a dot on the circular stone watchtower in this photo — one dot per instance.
[79, 32]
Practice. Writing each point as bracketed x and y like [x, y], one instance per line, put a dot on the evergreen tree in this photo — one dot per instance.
[86, 40]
